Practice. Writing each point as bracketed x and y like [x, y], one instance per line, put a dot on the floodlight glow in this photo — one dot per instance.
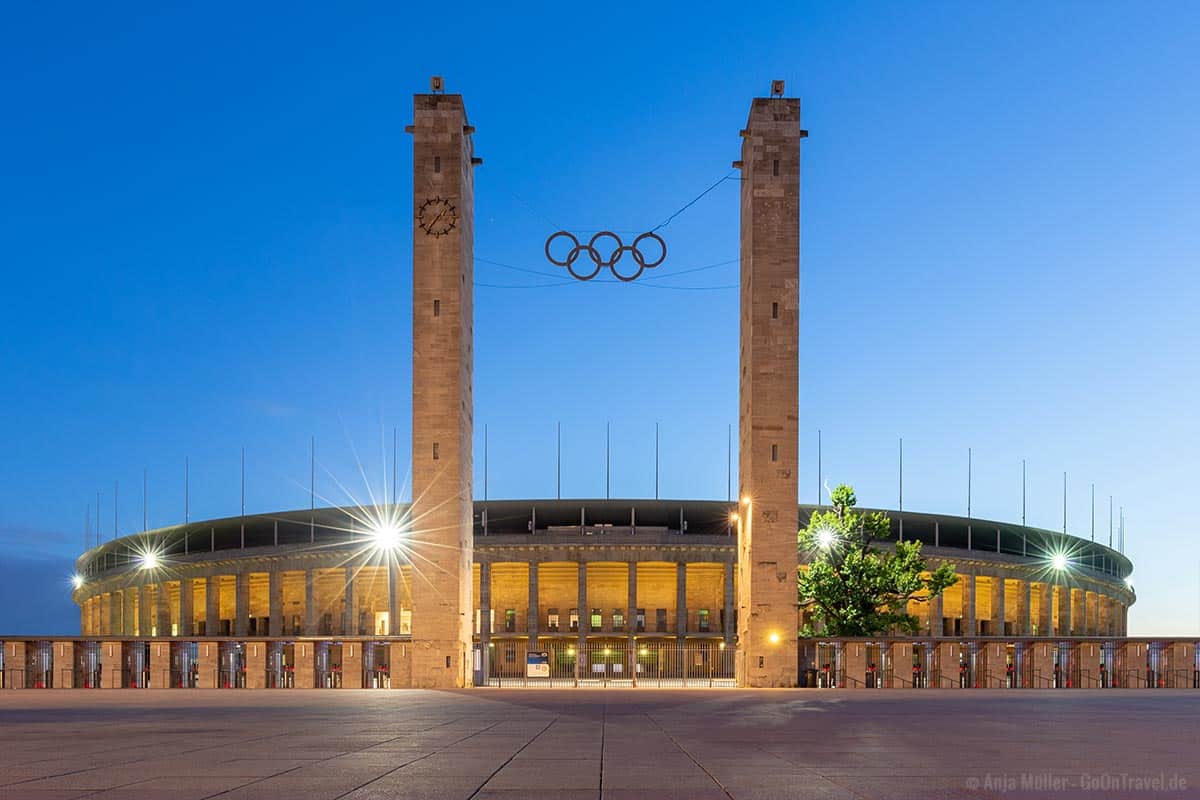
[733, 516]
[77, 581]
[1059, 561]
[386, 536]
[150, 560]
[745, 499]
[773, 638]
[1129, 582]
[825, 538]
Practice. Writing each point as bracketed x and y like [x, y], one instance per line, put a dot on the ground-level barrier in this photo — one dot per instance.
[872, 664]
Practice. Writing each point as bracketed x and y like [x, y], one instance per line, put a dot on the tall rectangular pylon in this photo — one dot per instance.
[443, 284]
[768, 444]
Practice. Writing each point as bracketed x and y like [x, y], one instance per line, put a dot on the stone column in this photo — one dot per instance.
[256, 664]
[1084, 630]
[533, 611]
[349, 622]
[310, 606]
[207, 659]
[997, 602]
[1021, 624]
[274, 604]
[241, 604]
[1064, 611]
[485, 608]
[115, 618]
[187, 613]
[145, 611]
[162, 609]
[681, 611]
[393, 579]
[1045, 608]
[306, 663]
[935, 616]
[129, 618]
[212, 606]
[631, 600]
[1043, 665]
[728, 627]
[970, 628]
[62, 670]
[352, 675]
[160, 665]
[585, 620]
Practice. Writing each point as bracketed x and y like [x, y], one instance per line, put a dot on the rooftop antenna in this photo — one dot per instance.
[1024, 533]
[1093, 512]
[144, 501]
[116, 506]
[186, 490]
[558, 458]
[485, 465]
[1064, 503]
[1110, 523]
[968, 487]
[394, 464]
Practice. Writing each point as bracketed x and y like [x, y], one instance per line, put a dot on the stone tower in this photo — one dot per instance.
[442, 404]
[769, 401]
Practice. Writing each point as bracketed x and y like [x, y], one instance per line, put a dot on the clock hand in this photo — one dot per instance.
[435, 219]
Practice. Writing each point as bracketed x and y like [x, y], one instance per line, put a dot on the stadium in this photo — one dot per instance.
[451, 591]
[611, 589]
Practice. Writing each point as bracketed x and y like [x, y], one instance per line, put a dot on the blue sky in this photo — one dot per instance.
[206, 245]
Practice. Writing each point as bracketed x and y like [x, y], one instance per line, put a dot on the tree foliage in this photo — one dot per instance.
[854, 587]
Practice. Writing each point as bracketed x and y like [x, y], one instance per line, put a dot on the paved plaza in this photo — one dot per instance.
[698, 745]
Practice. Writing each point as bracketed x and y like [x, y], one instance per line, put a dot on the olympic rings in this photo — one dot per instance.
[609, 257]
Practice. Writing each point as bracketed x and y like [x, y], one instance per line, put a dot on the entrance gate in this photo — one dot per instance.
[618, 662]
[185, 665]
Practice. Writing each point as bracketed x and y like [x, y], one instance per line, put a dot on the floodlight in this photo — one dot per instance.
[1059, 561]
[386, 535]
[826, 538]
[77, 581]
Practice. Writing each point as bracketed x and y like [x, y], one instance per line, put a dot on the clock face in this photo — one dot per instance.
[437, 216]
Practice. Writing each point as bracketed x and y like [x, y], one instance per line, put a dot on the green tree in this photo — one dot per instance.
[854, 587]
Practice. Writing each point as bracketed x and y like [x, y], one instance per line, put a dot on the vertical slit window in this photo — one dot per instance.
[437, 308]
[437, 164]
[774, 310]
[435, 451]
[775, 167]
[774, 452]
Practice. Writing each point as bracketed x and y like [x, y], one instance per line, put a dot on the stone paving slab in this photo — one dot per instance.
[604, 744]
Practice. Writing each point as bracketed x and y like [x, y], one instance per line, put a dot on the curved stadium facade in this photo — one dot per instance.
[601, 591]
[560, 568]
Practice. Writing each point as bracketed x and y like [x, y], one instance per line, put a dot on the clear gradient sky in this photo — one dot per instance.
[205, 229]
